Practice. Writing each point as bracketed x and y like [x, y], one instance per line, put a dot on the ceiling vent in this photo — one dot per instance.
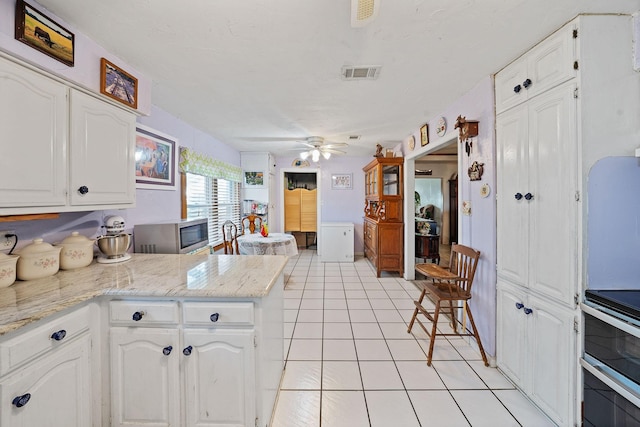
[361, 72]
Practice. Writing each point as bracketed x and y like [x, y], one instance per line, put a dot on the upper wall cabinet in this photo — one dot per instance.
[61, 150]
[543, 67]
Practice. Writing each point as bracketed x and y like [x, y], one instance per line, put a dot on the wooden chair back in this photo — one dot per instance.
[252, 223]
[230, 238]
[463, 263]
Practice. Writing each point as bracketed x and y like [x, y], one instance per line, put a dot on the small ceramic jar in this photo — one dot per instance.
[77, 251]
[7, 269]
[38, 260]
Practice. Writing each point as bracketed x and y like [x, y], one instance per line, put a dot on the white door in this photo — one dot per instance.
[54, 391]
[551, 346]
[512, 185]
[102, 152]
[553, 218]
[33, 120]
[511, 349]
[145, 388]
[220, 377]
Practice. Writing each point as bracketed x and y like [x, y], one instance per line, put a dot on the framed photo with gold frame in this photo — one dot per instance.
[118, 84]
[424, 135]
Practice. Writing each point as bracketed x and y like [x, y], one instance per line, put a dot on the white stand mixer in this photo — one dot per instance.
[115, 244]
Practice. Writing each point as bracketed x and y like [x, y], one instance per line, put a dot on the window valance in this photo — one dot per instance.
[201, 164]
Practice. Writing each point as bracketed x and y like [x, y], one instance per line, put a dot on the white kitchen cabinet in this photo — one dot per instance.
[543, 67]
[577, 110]
[537, 206]
[46, 373]
[62, 149]
[33, 137]
[187, 363]
[536, 349]
[101, 153]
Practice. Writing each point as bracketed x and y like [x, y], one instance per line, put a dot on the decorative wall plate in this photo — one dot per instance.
[412, 142]
[441, 129]
[299, 163]
[485, 190]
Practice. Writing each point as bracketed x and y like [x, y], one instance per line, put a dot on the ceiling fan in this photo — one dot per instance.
[316, 147]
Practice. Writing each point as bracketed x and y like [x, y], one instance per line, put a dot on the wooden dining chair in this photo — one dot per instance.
[252, 223]
[230, 238]
[450, 289]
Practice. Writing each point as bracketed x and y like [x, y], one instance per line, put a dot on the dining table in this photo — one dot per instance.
[272, 244]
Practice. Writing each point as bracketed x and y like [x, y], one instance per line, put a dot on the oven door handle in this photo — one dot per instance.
[617, 382]
[603, 314]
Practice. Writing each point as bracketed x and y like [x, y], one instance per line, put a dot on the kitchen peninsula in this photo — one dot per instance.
[157, 340]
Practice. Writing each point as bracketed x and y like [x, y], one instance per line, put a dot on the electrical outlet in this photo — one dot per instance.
[7, 242]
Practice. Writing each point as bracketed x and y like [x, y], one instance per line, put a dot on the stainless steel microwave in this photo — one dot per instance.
[171, 237]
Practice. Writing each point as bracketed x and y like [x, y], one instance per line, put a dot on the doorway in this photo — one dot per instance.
[300, 201]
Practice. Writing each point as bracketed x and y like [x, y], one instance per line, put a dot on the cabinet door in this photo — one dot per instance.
[308, 210]
[292, 210]
[59, 385]
[33, 119]
[553, 218]
[508, 82]
[511, 351]
[551, 345]
[512, 184]
[101, 153]
[145, 389]
[220, 377]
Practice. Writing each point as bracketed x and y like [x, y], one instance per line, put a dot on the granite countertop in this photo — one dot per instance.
[144, 275]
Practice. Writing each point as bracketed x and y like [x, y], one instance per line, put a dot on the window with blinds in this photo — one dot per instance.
[215, 198]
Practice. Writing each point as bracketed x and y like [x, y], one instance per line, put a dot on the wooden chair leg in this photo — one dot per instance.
[415, 312]
[454, 323]
[477, 337]
[433, 333]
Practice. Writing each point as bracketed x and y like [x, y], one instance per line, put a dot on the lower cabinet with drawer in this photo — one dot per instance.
[45, 374]
[182, 363]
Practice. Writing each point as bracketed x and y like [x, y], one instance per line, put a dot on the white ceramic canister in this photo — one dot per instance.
[77, 251]
[37, 260]
[7, 269]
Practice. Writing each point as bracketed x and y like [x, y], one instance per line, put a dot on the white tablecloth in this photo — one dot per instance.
[273, 244]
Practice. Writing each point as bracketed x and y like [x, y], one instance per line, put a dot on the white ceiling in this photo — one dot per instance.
[255, 72]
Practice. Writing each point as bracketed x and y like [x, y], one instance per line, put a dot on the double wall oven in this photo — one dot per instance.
[611, 360]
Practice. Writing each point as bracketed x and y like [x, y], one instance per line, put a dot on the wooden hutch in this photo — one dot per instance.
[383, 219]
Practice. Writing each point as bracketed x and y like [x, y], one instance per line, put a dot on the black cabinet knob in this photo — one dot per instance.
[167, 350]
[519, 305]
[137, 315]
[518, 196]
[527, 310]
[20, 401]
[83, 190]
[187, 350]
[214, 317]
[59, 336]
[526, 83]
[517, 89]
[528, 196]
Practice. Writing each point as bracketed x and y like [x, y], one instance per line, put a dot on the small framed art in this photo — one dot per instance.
[254, 179]
[341, 181]
[118, 84]
[42, 33]
[155, 159]
[424, 135]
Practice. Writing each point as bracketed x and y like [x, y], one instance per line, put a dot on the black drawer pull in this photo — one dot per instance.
[167, 350]
[59, 336]
[20, 401]
[526, 83]
[138, 315]
[83, 190]
[214, 317]
[187, 351]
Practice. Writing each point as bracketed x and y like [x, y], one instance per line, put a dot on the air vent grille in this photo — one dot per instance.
[365, 9]
[361, 72]
[363, 12]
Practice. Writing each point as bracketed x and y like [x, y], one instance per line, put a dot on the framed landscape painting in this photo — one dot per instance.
[155, 159]
[42, 33]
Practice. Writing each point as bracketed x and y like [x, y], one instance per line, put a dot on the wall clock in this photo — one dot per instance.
[412, 142]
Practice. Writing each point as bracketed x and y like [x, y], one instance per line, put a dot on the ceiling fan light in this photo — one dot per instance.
[315, 155]
[326, 155]
[304, 155]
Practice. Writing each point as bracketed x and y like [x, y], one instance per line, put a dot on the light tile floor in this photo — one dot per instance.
[350, 361]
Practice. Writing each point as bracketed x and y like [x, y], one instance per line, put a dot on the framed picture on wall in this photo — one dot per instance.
[341, 181]
[42, 33]
[155, 159]
[118, 84]
[424, 135]
[254, 179]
